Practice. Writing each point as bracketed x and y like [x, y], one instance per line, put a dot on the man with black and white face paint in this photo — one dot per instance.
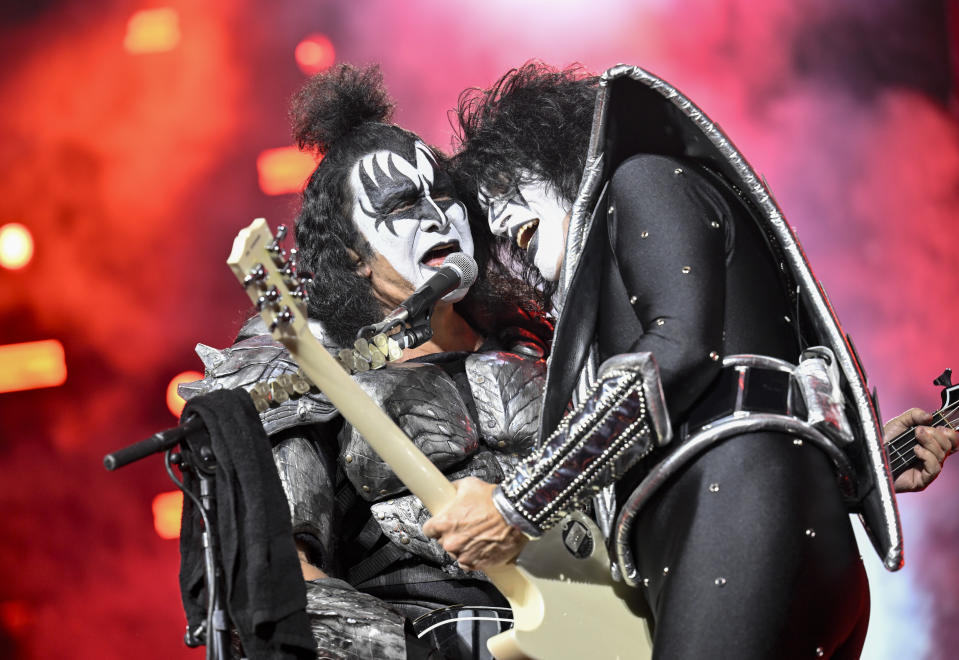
[407, 213]
[379, 216]
[535, 217]
[738, 522]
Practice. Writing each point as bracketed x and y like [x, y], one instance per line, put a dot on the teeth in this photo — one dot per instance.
[525, 234]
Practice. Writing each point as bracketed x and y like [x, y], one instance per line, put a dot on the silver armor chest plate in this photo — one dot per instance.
[425, 403]
[507, 391]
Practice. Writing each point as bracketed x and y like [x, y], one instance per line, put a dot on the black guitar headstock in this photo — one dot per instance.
[950, 392]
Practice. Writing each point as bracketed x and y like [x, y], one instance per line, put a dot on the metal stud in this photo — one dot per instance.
[348, 458]
[686, 270]
[645, 234]
[787, 319]
[381, 516]
[404, 539]
[820, 652]
[678, 170]
[713, 355]
[611, 209]
[645, 582]
[660, 321]
[632, 300]
[714, 487]
[720, 582]
[811, 533]
[366, 488]
[501, 443]
[797, 442]
[665, 570]
[714, 224]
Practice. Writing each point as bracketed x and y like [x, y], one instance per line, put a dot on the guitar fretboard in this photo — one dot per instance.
[900, 449]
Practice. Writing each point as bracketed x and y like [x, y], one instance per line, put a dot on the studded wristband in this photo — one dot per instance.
[622, 418]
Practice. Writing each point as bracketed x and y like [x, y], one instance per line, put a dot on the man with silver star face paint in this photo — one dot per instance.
[737, 523]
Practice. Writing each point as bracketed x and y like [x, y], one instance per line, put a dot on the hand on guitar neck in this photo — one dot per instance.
[917, 444]
[472, 531]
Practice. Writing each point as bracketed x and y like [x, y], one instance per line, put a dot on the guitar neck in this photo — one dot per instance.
[899, 450]
[276, 288]
[412, 467]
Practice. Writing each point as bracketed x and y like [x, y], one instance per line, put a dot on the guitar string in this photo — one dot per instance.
[906, 441]
[901, 446]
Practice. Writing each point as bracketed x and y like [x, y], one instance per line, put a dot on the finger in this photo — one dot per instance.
[933, 442]
[435, 528]
[915, 417]
[930, 464]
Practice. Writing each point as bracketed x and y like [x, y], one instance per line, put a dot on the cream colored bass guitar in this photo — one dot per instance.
[565, 604]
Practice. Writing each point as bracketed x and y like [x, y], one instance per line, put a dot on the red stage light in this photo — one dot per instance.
[284, 170]
[314, 54]
[16, 246]
[32, 365]
[152, 31]
[167, 509]
[173, 400]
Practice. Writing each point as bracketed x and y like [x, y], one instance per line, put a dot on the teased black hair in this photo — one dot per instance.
[535, 118]
[340, 115]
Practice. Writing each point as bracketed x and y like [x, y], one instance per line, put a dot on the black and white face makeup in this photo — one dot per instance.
[535, 217]
[409, 214]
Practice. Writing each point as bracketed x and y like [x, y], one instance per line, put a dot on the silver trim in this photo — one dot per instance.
[738, 424]
[812, 293]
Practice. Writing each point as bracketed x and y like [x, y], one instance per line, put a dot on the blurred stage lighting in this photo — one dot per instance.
[32, 365]
[173, 400]
[152, 31]
[284, 170]
[314, 54]
[16, 246]
[167, 508]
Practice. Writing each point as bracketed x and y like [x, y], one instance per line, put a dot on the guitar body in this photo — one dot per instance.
[564, 600]
[569, 607]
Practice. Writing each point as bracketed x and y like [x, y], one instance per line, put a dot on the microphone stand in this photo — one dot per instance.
[195, 455]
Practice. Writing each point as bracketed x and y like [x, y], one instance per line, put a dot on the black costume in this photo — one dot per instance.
[738, 530]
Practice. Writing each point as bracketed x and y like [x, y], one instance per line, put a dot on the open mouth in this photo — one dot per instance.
[525, 234]
[437, 254]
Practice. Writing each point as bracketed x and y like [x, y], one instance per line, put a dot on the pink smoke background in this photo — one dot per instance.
[134, 172]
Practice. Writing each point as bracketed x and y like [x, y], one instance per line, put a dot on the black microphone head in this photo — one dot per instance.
[466, 266]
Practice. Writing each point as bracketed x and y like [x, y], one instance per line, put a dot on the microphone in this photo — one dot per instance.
[457, 272]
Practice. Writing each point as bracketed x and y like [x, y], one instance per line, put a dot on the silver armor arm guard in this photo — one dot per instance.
[620, 421]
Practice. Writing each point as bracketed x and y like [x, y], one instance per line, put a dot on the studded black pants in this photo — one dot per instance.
[749, 553]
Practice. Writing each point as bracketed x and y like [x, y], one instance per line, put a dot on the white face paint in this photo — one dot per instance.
[409, 214]
[535, 217]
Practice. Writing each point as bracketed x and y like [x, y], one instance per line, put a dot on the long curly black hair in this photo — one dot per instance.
[535, 118]
[342, 115]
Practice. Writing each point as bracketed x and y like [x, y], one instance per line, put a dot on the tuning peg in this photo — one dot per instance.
[284, 317]
[270, 297]
[945, 379]
[257, 274]
[280, 233]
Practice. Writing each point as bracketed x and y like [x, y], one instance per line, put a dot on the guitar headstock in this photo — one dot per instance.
[271, 279]
[950, 392]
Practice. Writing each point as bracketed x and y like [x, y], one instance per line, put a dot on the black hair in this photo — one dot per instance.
[535, 118]
[340, 115]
